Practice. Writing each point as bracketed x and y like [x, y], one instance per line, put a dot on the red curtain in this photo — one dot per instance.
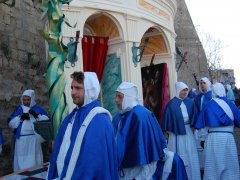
[165, 96]
[94, 54]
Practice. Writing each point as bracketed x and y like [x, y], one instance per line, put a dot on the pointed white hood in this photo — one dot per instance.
[91, 87]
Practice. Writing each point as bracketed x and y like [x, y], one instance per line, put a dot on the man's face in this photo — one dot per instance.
[203, 86]
[119, 100]
[77, 93]
[183, 93]
[26, 101]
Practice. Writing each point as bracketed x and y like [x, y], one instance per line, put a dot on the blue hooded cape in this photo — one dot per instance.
[98, 154]
[214, 116]
[207, 97]
[140, 140]
[19, 111]
[173, 118]
[178, 171]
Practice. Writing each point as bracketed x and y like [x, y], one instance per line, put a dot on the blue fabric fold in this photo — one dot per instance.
[97, 158]
[173, 118]
[18, 112]
[206, 98]
[214, 116]
[1, 137]
[178, 171]
[140, 139]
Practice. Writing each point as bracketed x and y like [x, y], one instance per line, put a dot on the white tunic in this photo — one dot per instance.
[185, 147]
[217, 166]
[28, 146]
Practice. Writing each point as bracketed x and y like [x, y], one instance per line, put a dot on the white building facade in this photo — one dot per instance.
[126, 22]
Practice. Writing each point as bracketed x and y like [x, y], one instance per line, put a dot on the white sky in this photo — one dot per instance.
[220, 19]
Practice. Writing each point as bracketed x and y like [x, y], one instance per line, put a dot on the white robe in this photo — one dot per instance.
[185, 147]
[28, 146]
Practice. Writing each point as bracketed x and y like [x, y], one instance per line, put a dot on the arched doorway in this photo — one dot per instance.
[104, 27]
[154, 69]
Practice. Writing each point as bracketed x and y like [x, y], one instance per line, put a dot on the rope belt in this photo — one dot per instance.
[27, 134]
[223, 129]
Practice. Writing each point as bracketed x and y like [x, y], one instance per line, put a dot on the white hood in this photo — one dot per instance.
[30, 93]
[130, 99]
[179, 87]
[218, 90]
[91, 87]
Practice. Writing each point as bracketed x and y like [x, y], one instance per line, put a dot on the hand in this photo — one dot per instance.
[25, 116]
[32, 112]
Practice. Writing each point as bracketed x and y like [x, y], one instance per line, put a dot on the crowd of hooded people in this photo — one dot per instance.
[91, 144]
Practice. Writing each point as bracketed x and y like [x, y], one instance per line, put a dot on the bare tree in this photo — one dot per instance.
[213, 48]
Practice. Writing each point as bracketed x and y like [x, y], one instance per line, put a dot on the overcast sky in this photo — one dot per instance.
[221, 19]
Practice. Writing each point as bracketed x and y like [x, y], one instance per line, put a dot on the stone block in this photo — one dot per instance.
[7, 18]
[12, 43]
[2, 26]
[21, 45]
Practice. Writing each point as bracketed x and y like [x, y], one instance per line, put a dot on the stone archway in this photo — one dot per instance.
[154, 72]
[104, 25]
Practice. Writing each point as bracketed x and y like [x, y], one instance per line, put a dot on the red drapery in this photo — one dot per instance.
[94, 54]
[165, 96]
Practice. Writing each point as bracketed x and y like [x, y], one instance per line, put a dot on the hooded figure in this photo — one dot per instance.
[205, 94]
[200, 102]
[28, 151]
[85, 146]
[220, 116]
[140, 141]
[230, 93]
[178, 120]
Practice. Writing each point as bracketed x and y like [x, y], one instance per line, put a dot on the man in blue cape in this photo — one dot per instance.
[140, 141]
[28, 151]
[85, 146]
[220, 116]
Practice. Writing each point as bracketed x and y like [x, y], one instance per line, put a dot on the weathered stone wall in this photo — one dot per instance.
[23, 67]
[188, 41]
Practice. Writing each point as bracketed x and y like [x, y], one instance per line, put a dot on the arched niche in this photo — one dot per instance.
[101, 24]
[156, 42]
[154, 71]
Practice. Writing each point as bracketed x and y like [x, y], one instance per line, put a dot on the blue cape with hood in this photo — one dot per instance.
[173, 118]
[140, 140]
[19, 111]
[214, 116]
[98, 157]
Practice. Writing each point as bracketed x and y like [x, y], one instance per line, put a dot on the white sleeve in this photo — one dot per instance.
[203, 133]
[140, 172]
[42, 118]
[14, 123]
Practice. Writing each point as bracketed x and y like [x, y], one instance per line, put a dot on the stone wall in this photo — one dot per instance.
[23, 67]
[188, 41]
